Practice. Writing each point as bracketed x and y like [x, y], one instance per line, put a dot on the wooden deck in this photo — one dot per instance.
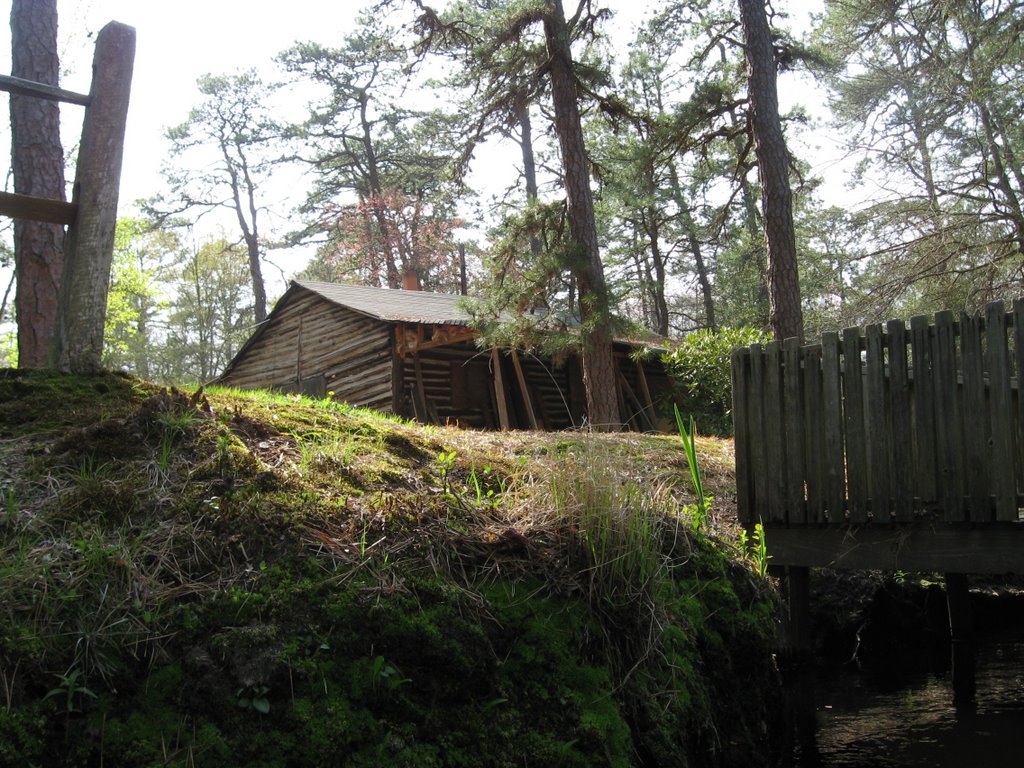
[888, 447]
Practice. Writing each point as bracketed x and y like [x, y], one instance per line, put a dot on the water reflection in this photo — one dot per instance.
[858, 720]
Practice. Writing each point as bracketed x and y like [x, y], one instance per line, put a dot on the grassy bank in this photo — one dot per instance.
[237, 579]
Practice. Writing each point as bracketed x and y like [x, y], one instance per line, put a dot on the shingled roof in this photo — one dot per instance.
[393, 304]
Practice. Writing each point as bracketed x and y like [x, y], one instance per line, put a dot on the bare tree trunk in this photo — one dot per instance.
[660, 308]
[85, 280]
[394, 276]
[749, 208]
[38, 164]
[598, 358]
[786, 315]
[690, 227]
[529, 165]
[249, 227]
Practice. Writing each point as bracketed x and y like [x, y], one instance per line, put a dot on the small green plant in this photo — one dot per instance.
[9, 502]
[224, 443]
[385, 676]
[254, 697]
[70, 690]
[486, 495]
[698, 510]
[756, 546]
[445, 465]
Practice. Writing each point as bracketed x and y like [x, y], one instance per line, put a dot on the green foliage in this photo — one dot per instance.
[699, 509]
[254, 697]
[701, 367]
[137, 297]
[755, 545]
[8, 350]
[70, 691]
[946, 138]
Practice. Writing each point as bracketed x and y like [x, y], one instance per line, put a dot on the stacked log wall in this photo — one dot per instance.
[310, 341]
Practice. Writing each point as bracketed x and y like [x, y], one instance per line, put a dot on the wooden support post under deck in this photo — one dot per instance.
[796, 619]
[961, 632]
[958, 600]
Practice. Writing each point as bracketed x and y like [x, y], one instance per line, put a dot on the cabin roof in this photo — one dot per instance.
[393, 304]
[388, 305]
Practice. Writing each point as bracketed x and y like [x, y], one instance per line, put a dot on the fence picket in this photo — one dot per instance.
[923, 404]
[1018, 354]
[901, 429]
[947, 417]
[997, 362]
[833, 403]
[741, 436]
[758, 452]
[814, 423]
[878, 433]
[975, 411]
[774, 435]
[853, 407]
[793, 422]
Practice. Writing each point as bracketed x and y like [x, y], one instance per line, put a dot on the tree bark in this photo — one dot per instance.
[85, 280]
[749, 208]
[529, 164]
[785, 313]
[690, 229]
[38, 165]
[249, 227]
[598, 358]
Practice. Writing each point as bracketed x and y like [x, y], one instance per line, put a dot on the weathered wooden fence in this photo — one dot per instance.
[885, 425]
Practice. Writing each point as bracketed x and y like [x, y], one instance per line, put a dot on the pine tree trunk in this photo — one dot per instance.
[598, 359]
[38, 164]
[785, 314]
[529, 166]
[690, 229]
[85, 280]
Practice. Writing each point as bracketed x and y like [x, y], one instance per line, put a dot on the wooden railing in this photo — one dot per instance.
[91, 216]
[884, 425]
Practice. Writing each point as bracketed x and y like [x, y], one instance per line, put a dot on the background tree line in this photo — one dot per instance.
[389, 145]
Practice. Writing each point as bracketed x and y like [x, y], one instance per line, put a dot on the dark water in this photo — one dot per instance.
[855, 718]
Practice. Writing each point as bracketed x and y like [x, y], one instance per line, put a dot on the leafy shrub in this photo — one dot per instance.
[701, 370]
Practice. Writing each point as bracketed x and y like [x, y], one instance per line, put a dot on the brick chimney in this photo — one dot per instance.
[411, 280]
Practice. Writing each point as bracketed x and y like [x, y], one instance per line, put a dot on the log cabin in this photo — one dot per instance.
[416, 354]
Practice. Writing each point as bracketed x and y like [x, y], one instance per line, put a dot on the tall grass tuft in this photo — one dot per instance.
[698, 510]
[618, 523]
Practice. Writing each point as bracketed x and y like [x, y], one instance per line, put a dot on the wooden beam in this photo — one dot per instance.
[996, 548]
[499, 389]
[41, 91]
[645, 390]
[527, 402]
[640, 413]
[37, 208]
[420, 393]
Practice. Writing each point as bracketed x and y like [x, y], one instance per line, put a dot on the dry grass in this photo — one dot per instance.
[111, 528]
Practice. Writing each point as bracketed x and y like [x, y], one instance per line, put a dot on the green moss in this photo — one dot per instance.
[376, 609]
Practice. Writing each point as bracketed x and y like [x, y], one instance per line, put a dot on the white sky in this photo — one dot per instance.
[180, 40]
